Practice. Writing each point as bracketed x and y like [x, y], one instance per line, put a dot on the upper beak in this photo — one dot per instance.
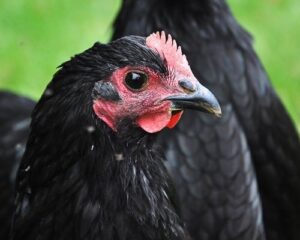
[196, 97]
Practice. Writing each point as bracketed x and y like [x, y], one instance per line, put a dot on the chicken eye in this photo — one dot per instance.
[136, 80]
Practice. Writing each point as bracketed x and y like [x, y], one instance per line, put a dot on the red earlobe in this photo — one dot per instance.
[105, 111]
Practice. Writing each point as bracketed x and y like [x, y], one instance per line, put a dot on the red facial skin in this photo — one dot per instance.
[146, 106]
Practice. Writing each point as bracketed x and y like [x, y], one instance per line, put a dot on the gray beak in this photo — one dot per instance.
[197, 98]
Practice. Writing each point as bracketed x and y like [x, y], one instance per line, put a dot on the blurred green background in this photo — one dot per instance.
[37, 35]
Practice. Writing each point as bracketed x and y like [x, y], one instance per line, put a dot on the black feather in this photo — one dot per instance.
[106, 91]
[14, 127]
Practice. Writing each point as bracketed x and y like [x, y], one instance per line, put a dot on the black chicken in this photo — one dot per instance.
[90, 169]
[212, 162]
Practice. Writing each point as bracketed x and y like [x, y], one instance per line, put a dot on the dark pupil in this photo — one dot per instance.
[135, 80]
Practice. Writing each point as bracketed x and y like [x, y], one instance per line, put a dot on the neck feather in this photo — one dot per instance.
[95, 184]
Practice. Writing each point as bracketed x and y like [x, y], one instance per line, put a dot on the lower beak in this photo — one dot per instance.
[201, 99]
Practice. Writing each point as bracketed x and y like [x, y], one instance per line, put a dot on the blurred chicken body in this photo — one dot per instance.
[238, 177]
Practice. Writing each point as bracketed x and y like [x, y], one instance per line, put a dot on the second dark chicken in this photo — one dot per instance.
[226, 169]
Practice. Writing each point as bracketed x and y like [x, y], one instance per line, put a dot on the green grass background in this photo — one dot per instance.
[37, 35]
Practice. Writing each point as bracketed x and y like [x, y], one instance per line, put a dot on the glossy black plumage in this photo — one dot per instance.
[79, 179]
[14, 127]
[213, 163]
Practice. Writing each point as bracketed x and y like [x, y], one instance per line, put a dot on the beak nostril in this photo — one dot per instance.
[187, 85]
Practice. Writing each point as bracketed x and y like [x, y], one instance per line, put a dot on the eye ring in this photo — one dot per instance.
[136, 80]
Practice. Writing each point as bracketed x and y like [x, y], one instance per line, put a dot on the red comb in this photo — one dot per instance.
[168, 49]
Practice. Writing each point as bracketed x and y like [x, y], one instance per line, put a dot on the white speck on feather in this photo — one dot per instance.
[134, 171]
[92, 147]
[119, 156]
[19, 150]
[165, 194]
[22, 124]
[27, 169]
[18, 146]
[90, 129]
[48, 92]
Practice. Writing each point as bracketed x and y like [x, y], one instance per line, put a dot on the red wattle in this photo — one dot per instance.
[174, 119]
[154, 122]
